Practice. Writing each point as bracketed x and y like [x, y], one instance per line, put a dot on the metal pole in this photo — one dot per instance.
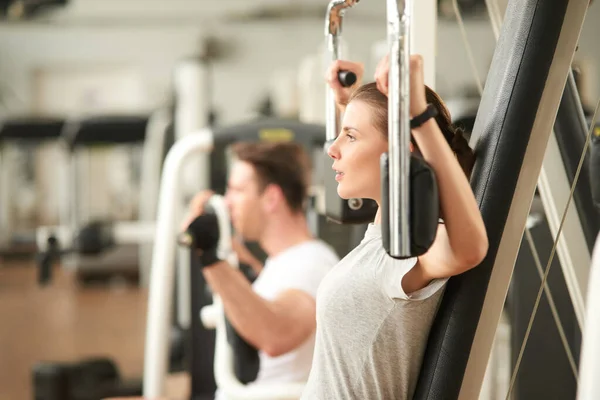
[162, 271]
[333, 32]
[589, 385]
[398, 27]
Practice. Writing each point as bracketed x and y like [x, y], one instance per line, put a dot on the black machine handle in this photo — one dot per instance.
[424, 206]
[92, 239]
[352, 211]
[46, 261]
[346, 78]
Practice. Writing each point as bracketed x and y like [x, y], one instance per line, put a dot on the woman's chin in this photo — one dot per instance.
[344, 194]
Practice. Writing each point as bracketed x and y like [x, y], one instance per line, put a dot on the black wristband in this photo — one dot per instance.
[430, 112]
[209, 257]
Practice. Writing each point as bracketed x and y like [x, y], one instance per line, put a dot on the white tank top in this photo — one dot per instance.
[370, 336]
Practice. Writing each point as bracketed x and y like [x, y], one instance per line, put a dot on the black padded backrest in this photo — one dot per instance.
[117, 129]
[508, 108]
[200, 352]
[31, 128]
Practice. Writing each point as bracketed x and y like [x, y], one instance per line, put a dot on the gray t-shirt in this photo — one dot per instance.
[370, 336]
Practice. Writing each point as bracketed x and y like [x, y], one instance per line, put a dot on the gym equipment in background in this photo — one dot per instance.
[589, 385]
[89, 379]
[351, 211]
[18, 172]
[463, 112]
[519, 104]
[85, 238]
[512, 127]
[101, 249]
[545, 346]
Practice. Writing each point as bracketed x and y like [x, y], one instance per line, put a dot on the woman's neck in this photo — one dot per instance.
[377, 220]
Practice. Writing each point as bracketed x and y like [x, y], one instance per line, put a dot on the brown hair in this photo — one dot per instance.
[454, 136]
[285, 164]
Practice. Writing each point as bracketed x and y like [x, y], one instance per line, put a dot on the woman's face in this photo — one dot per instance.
[356, 153]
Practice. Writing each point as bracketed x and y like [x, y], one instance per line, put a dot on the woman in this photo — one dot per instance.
[374, 312]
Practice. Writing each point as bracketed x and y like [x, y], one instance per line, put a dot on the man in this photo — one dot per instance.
[266, 196]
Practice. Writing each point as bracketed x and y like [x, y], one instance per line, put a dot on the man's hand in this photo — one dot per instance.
[203, 228]
[206, 234]
[196, 207]
[343, 93]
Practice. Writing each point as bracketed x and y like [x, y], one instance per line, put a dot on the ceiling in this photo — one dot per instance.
[98, 12]
[185, 12]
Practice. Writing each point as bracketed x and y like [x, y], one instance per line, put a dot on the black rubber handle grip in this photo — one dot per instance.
[347, 78]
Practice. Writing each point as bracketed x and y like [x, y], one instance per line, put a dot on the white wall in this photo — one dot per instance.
[454, 71]
[241, 80]
[589, 51]
[151, 48]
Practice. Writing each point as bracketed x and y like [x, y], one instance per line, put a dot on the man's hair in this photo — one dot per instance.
[285, 164]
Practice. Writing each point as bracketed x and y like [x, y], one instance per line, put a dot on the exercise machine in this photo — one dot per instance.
[215, 142]
[520, 101]
[31, 133]
[517, 111]
[162, 274]
[104, 248]
[555, 338]
[589, 387]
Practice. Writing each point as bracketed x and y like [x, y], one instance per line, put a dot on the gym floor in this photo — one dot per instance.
[66, 322]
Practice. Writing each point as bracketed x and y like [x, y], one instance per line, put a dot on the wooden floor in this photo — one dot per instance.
[64, 322]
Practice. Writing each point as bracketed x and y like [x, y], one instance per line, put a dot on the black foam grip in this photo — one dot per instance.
[246, 361]
[44, 268]
[95, 237]
[424, 205]
[209, 257]
[347, 78]
[595, 166]
[50, 381]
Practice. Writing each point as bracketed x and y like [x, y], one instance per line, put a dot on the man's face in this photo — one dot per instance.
[243, 199]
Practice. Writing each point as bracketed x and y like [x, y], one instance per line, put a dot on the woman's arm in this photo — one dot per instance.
[343, 93]
[461, 242]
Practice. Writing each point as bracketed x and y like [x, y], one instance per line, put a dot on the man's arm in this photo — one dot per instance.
[275, 327]
[245, 256]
